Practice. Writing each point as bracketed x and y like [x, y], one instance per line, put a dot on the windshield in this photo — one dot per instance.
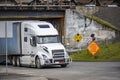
[48, 39]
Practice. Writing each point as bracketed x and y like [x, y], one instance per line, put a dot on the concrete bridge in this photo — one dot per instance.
[53, 11]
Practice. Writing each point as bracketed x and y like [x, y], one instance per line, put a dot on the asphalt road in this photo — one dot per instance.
[75, 71]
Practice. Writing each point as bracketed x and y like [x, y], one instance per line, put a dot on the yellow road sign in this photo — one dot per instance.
[77, 37]
[93, 48]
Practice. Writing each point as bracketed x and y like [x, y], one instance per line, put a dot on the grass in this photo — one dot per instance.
[108, 51]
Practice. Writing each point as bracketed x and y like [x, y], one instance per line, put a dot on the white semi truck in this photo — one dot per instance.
[35, 43]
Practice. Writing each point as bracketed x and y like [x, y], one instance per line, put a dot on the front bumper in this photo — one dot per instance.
[57, 62]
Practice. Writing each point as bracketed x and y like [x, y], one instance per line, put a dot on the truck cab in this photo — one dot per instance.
[41, 45]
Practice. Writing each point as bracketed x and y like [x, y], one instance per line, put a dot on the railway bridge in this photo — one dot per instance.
[48, 10]
[40, 9]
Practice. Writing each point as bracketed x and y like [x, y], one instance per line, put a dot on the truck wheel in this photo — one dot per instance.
[10, 58]
[38, 63]
[64, 65]
[18, 62]
[14, 62]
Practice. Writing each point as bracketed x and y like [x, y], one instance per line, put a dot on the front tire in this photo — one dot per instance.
[38, 63]
[64, 65]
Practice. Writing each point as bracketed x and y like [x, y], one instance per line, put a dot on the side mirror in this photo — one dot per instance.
[33, 41]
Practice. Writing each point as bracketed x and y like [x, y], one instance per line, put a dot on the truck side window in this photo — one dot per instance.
[25, 39]
[25, 29]
[33, 41]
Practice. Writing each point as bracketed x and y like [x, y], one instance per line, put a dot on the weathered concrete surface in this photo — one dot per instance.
[110, 14]
[76, 23]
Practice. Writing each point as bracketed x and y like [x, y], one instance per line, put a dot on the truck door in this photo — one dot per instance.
[34, 48]
[26, 48]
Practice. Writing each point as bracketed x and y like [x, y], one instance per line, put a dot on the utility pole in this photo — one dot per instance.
[6, 47]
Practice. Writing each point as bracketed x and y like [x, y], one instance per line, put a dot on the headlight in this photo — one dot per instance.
[45, 57]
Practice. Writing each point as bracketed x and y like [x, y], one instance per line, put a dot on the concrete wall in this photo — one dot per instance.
[75, 23]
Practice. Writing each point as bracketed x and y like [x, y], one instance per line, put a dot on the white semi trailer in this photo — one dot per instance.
[35, 43]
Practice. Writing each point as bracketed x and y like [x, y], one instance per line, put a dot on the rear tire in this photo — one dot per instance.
[18, 62]
[10, 59]
[38, 63]
[14, 61]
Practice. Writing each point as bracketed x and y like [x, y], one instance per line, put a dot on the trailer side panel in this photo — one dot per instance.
[13, 44]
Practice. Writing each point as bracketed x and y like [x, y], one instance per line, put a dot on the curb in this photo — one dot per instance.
[95, 61]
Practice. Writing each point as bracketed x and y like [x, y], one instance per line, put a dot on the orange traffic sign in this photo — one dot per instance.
[93, 48]
[77, 37]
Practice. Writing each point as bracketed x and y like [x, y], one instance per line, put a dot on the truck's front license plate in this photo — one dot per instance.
[58, 62]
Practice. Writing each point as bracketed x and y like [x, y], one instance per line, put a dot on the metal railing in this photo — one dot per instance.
[38, 4]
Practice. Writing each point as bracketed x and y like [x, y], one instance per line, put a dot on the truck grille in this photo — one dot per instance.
[58, 54]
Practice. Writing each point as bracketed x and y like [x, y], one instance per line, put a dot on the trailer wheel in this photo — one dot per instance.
[18, 62]
[14, 61]
[38, 63]
[10, 58]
